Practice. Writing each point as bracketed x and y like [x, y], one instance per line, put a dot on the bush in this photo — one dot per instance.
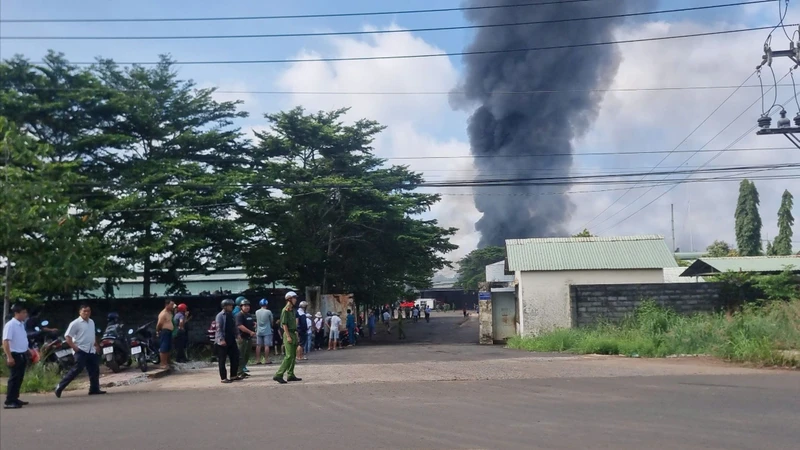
[753, 334]
[38, 378]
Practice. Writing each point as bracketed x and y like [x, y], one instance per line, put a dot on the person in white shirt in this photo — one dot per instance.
[387, 320]
[333, 339]
[80, 336]
[15, 346]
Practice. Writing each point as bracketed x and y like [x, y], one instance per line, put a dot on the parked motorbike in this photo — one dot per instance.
[144, 347]
[115, 347]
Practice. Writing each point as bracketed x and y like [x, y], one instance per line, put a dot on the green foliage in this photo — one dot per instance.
[41, 231]
[584, 233]
[718, 249]
[783, 241]
[783, 286]
[472, 268]
[748, 220]
[38, 378]
[337, 217]
[754, 334]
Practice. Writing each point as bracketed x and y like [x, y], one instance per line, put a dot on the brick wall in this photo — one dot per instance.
[594, 302]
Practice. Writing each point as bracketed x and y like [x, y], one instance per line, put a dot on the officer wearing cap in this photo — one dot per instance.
[289, 324]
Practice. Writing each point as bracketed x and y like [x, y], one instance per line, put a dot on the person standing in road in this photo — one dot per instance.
[351, 327]
[310, 336]
[181, 336]
[319, 331]
[246, 326]
[415, 313]
[427, 314]
[333, 338]
[371, 324]
[400, 333]
[263, 331]
[80, 336]
[164, 329]
[387, 320]
[302, 329]
[289, 324]
[225, 342]
[15, 346]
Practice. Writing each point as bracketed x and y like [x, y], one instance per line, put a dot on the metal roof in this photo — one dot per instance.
[757, 264]
[673, 275]
[592, 253]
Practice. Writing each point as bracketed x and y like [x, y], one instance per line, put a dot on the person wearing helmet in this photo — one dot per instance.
[264, 337]
[181, 333]
[302, 330]
[236, 310]
[246, 326]
[225, 342]
[289, 324]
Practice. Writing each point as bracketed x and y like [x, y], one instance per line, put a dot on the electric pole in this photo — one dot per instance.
[672, 221]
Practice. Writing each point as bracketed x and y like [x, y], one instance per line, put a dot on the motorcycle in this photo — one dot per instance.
[115, 347]
[143, 346]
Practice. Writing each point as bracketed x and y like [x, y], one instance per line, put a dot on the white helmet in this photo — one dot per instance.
[290, 294]
[304, 304]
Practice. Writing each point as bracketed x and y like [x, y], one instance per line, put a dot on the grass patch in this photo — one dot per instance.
[756, 334]
[38, 378]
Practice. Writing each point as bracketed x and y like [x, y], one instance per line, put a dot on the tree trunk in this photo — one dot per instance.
[7, 293]
[147, 266]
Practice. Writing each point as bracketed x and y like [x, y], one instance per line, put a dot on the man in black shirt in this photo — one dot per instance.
[246, 326]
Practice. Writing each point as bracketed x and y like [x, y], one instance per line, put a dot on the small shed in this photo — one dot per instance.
[544, 269]
[752, 264]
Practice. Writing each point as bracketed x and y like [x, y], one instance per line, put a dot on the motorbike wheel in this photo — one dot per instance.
[113, 365]
[155, 358]
[142, 361]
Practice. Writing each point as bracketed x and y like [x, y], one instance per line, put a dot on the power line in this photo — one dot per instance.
[295, 16]
[669, 154]
[388, 31]
[438, 55]
[707, 162]
[526, 92]
[565, 154]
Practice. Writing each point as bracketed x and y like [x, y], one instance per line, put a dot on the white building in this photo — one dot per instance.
[544, 269]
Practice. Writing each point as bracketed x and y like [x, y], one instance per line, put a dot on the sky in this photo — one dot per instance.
[426, 125]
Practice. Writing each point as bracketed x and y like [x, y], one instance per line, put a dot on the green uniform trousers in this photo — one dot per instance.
[245, 348]
[287, 366]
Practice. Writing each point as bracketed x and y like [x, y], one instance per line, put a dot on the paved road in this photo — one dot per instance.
[562, 403]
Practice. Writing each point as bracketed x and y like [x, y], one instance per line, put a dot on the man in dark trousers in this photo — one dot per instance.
[246, 326]
[15, 346]
[288, 322]
[225, 342]
[81, 336]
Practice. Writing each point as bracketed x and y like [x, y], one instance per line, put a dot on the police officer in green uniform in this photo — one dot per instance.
[288, 322]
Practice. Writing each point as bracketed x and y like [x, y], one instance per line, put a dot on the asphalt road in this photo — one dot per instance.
[750, 410]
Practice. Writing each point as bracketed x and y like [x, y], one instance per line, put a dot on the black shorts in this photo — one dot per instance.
[302, 339]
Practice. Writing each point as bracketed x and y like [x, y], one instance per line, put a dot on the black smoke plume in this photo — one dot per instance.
[505, 125]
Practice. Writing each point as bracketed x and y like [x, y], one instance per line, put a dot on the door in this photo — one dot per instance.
[503, 315]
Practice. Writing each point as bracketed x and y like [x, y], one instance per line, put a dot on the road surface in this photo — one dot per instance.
[381, 396]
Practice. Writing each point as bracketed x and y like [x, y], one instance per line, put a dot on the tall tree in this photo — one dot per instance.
[336, 217]
[748, 220]
[41, 231]
[472, 268]
[718, 249]
[783, 241]
[171, 186]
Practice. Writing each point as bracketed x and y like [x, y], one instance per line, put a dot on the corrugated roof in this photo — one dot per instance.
[593, 253]
[673, 275]
[759, 264]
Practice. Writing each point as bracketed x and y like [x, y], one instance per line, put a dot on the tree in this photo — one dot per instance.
[585, 233]
[41, 231]
[748, 220]
[322, 210]
[783, 241]
[472, 268]
[718, 249]
[169, 187]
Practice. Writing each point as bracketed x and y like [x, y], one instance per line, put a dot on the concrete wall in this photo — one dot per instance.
[592, 303]
[545, 296]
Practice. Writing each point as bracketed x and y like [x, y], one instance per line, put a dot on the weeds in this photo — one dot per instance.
[38, 378]
[754, 334]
